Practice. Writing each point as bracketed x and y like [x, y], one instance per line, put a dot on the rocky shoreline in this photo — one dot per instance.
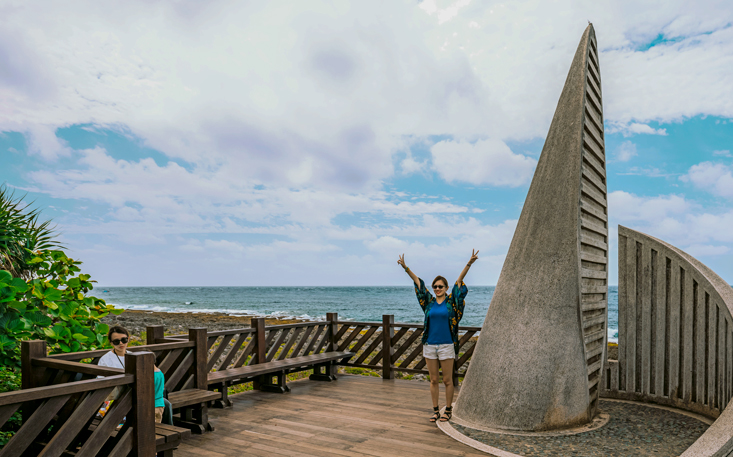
[175, 323]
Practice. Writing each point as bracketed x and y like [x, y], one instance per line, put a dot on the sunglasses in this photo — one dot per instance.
[439, 286]
[121, 340]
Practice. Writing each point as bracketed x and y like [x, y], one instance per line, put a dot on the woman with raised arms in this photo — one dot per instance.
[440, 335]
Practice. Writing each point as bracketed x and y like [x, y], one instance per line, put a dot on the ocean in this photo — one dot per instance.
[311, 303]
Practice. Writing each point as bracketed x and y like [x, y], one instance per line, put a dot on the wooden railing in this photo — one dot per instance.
[373, 343]
[59, 413]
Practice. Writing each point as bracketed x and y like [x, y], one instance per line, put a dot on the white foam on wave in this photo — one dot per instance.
[613, 335]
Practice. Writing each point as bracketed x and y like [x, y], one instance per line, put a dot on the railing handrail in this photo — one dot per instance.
[100, 352]
[78, 367]
[38, 393]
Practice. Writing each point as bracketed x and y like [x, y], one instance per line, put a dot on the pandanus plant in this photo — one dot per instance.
[22, 233]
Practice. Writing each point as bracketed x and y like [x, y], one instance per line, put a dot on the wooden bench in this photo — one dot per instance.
[271, 376]
[168, 438]
[192, 404]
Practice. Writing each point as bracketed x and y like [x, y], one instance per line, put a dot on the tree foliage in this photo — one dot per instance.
[22, 232]
[53, 306]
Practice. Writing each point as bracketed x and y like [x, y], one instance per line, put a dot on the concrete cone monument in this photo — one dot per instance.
[537, 363]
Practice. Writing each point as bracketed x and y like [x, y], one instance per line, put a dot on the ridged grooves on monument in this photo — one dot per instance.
[593, 228]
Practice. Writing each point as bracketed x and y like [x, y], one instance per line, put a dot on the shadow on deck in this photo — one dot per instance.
[356, 415]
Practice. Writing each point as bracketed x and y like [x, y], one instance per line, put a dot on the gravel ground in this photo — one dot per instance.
[633, 430]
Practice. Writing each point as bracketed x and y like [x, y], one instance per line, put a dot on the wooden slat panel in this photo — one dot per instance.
[7, 411]
[233, 351]
[120, 408]
[303, 340]
[242, 358]
[314, 339]
[362, 339]
[410, 340]
[74, 424]
[278, 344]
[322, 343]
[297, 331]
[172, 382]
[345, 343]
[377, 342]
[400, 333]
[416, 352]
[32, 427]
[213, 358]
[344, 328]
[169, 361]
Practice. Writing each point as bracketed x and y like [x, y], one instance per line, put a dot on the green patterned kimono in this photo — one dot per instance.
[455, 303]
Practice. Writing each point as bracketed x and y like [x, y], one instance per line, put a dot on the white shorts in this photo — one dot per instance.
[439, 351]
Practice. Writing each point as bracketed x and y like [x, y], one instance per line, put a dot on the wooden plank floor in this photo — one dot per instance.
[354, 416]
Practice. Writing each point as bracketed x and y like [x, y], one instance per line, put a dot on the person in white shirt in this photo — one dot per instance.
[120, 337]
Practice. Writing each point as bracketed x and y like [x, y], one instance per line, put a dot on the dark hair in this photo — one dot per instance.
[437, 278]
[117, 329]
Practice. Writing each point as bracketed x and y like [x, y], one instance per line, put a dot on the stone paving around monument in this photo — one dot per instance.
[633, 430]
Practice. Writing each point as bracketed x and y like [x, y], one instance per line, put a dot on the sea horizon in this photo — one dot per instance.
[355, 303]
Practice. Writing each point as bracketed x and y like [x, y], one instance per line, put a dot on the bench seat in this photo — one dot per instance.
[258, 369]
[168, 438]
[193, 407]
[262, 373]
[191, 397]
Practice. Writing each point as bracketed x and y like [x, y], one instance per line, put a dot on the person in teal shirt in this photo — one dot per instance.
[440, 334]
[159, 383]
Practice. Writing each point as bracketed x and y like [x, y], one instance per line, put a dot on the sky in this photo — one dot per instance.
[287, 143]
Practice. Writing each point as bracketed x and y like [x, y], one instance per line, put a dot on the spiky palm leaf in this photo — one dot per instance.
[21, 233]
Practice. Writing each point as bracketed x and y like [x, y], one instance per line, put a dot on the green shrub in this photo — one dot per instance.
[9, 381]
[52, 306]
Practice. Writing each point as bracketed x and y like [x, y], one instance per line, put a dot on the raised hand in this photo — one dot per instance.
[401, 262]
[474, 257]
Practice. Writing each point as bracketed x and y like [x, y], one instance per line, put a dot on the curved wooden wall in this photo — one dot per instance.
[675, 336]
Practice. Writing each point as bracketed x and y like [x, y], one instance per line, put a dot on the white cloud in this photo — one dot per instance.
[722, 153]
[627, 207]
[634, 128]
[713, 177]
[303, 94]
[483, 162]
[626, 151]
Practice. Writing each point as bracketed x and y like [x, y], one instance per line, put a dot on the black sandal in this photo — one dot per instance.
[436, 414]
[447, 414]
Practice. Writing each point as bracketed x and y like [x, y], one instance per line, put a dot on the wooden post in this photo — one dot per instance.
[31, 376]
[153, 333]
[142, 414]
[260, 350]
[29, 350]
[200, 413]
[387, 350]
[332, 319]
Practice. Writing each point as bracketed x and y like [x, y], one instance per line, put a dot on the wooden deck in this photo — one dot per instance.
[356, 415]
